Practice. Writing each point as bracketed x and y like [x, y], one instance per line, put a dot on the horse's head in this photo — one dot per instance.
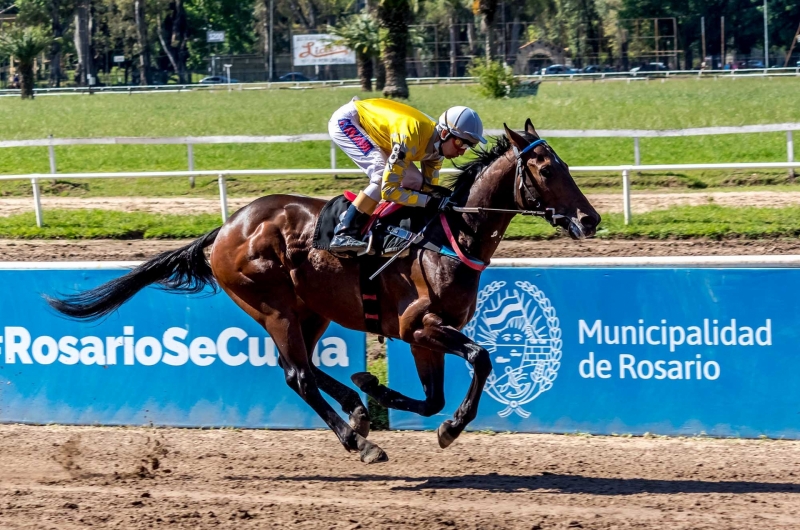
[543, 181]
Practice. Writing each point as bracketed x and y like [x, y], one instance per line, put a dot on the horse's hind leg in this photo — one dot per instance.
[313, 328]
[285, 330]
[430, 368]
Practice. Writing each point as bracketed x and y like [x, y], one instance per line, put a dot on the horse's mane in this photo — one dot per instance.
[469, 172]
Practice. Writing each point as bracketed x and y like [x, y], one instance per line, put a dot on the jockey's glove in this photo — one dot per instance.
[442, 204]
[438, 191]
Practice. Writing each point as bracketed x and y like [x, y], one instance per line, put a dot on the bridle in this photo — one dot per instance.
[522, 190]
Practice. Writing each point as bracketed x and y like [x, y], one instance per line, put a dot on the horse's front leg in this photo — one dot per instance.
[430, 368]
[447, 339]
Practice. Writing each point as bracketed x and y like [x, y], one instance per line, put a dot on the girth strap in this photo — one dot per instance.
[472, 264]
[370, 291]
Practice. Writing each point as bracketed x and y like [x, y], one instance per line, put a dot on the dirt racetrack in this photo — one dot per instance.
[80, 477]
[136, 250]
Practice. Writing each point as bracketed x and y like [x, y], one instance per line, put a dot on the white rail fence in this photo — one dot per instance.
[223, 174]
[191, 141]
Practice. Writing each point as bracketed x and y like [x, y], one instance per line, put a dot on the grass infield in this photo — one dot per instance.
[559, 105]
[708, 221]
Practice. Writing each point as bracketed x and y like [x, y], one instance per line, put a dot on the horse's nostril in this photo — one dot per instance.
[589, 222]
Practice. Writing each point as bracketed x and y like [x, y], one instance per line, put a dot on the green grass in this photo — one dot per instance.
[610, 105]
[684, 222]
[710, 221]
[379, 415]
[101, 224]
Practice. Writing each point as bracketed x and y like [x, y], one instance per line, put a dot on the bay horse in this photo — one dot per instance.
[263, 258]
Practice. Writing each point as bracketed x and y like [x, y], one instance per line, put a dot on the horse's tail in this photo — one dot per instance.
[184, 270]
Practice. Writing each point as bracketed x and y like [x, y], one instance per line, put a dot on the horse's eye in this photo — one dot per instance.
[545, 172]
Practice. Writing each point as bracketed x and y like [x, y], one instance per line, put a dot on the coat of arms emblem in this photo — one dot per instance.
[519, 328]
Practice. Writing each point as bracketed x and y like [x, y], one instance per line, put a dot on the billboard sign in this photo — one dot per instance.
[163, 358]
[628, 350]
[312, 50]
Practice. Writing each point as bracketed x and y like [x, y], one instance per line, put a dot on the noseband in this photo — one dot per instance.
[520, 188]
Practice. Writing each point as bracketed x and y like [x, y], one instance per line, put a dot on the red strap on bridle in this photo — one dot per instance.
[463, 257]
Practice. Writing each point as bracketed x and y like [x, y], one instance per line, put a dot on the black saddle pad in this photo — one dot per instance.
[327, 221]
[384, 244]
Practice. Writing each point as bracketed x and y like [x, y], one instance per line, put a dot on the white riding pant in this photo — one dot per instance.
[345, 130]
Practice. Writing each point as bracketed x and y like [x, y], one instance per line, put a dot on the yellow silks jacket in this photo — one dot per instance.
[408, 135]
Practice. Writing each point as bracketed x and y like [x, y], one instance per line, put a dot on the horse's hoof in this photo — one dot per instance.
[446, 434]
[359, 421]
[372, 454]
[365, 381]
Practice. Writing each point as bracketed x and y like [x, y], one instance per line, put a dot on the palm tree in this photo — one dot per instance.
[487, 9]
[395, 16]
[360, 33]
[24, 45]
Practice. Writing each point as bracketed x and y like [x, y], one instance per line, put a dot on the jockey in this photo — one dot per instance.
[384, 138]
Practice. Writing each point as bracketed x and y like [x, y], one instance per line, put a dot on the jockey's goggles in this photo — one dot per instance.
[460, 142]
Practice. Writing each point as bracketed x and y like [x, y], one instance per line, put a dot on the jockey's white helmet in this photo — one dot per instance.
[464, 123]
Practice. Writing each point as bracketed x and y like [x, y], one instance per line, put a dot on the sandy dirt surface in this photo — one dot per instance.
[137, 250]
[79, 477]
[603, 202]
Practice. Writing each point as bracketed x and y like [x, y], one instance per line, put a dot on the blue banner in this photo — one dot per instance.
[628, 350]
[163, 358]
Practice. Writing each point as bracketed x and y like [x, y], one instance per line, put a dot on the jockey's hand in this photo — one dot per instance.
[442, 204]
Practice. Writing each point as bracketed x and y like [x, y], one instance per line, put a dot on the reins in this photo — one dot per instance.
[549, 214]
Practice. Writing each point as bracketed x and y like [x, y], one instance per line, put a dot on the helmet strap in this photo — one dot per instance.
[444, 134]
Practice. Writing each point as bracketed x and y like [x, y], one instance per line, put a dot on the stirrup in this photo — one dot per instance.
[369, 246]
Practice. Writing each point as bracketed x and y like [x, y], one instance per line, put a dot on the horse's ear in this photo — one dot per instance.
[514, 137]
[529, 128]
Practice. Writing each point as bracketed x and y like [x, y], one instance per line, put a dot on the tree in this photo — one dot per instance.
[55, 49]
[395, 16]
[447, 13]
[83, 40]
[143, 42]
[24, 45]
[360, 33]
[172, 34]
[487, 9]
[48, 14]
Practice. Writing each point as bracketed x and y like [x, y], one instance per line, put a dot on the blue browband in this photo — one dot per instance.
[531, 146]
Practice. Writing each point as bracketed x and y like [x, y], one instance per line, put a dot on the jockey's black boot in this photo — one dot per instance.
[347, 234]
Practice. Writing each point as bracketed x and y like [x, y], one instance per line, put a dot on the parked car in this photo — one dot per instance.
[555, 69]
[217, 79]
[597, 69]
[294, 76]
[753, 63]
[650, 67]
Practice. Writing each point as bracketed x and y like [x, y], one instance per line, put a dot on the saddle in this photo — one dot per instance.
[388, 230]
